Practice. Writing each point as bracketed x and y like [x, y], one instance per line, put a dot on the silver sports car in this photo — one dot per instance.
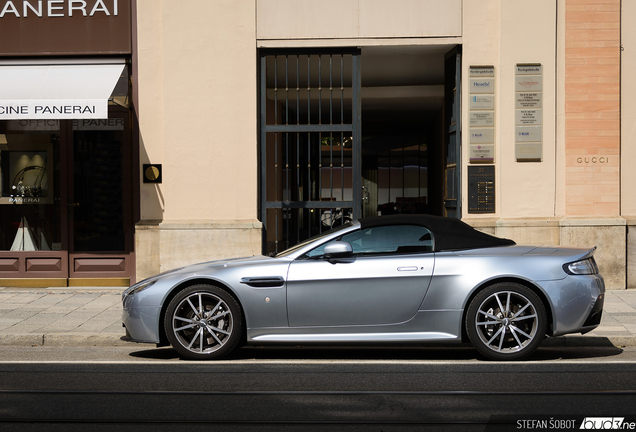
[390, 279]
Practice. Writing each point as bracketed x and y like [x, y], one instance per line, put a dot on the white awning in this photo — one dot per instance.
[59, 89]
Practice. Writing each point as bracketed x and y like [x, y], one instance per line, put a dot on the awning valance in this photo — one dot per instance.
[57, 89]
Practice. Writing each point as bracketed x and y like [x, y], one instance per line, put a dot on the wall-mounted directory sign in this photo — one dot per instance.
[481, 189]
[529, 113]
[482, 115]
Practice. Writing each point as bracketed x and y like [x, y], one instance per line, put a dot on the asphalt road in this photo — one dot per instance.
[375, 389]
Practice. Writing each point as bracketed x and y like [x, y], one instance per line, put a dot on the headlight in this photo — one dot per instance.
[584, 267]
[138, 287]
[146, 283]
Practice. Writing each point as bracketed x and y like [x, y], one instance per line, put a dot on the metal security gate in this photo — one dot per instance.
[310, 143]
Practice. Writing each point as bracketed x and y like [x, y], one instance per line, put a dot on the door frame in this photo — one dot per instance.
[67, 267]
[452, 134]
[87, 268]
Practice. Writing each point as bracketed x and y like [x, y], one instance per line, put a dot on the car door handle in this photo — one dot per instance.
[409, 268]
[263, 281]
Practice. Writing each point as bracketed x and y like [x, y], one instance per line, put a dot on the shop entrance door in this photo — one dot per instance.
[65, 202]
[99, 201]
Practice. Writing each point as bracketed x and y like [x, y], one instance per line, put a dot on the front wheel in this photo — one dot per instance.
[203, 322]
[506, 321]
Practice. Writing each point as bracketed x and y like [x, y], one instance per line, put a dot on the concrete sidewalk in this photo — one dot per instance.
[92, 316]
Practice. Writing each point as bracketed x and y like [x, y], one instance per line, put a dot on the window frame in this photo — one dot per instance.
[397, 252]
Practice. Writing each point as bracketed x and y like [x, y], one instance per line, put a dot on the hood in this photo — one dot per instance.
[233, 262]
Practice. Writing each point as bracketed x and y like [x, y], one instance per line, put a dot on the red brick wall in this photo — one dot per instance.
[592, 107]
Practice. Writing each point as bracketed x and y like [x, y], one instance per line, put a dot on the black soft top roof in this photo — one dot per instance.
[448, 233]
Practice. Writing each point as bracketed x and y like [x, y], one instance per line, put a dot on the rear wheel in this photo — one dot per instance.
[203, 322]
[506, 321]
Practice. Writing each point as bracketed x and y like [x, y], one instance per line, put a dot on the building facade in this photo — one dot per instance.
[255, 124]
[66, 143]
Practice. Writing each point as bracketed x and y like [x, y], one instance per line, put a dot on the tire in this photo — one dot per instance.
[203, 322]
[506, 321]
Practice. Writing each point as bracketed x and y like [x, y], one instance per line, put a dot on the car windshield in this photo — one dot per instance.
[311, 240]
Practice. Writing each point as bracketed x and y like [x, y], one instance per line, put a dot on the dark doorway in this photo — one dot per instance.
[353, 133]
[402, 129]
[99, 198]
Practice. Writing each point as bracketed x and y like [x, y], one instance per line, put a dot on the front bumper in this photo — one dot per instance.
[141, 322]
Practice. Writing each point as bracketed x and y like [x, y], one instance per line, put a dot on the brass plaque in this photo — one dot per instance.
[152, 173]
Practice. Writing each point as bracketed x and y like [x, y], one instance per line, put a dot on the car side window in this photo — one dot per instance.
[390, 239]
[393, 239]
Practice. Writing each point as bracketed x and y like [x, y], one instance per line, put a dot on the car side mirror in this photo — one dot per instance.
[335, 250]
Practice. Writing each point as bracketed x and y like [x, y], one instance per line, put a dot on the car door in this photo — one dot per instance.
[384, 282]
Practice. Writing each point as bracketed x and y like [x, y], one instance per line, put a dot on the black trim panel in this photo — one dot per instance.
[263, 282]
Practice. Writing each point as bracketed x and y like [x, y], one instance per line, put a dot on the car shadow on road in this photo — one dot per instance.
[376, 353]
[574, 353]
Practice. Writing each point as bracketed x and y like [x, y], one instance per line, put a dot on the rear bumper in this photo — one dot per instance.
[594, 318]
[576, 302]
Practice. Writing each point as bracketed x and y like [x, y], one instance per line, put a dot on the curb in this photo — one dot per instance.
[64, 339]
[117, 339]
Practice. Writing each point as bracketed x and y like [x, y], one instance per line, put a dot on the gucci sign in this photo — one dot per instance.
[592, 160]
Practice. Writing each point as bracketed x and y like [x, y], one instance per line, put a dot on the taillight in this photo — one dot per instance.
[583, 267]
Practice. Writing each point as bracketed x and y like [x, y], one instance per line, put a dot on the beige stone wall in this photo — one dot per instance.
[628, 109]
[354, 19]
[535, 231]
[499, 33]
[631, 252]
[628, 133]
[179, 243]
[527, 189]
[197, 99]
[608, 235]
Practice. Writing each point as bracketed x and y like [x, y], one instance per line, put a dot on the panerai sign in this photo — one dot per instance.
[47, 109]
[65, 27]
[58, 8]
[94, 109]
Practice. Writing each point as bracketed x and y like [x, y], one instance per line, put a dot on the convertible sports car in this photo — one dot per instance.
[387, 279]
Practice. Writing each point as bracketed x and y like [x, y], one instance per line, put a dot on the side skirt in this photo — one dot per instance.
[426, 326]
[356, 337]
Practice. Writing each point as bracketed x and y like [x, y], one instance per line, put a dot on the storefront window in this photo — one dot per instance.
[29, 192]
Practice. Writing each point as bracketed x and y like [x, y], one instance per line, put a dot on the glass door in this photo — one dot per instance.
[66, 202]
[99, 199]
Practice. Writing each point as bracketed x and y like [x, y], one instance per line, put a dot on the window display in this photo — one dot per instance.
[24, 174]
[28, 220]
[30, 181]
